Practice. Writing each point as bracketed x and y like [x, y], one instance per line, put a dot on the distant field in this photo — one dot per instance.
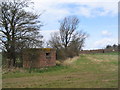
[89, 71]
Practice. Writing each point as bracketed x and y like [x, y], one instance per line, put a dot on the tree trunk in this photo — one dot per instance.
[13, 56]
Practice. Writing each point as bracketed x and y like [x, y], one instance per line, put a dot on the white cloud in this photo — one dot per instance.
[106, 33]
[109, 7]
[87, 8]
[85, 11]
[100, 8]
[105, 41]
[47, 34]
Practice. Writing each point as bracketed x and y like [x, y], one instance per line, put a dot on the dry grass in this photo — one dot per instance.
[70, 61]
[103, 58]
[12, 69]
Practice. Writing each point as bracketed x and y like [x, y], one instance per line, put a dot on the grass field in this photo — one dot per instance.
[0, 58]
[87, 71]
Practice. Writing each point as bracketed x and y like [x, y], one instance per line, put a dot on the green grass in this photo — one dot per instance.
[0, 58]
[89, 71]
[110, 53]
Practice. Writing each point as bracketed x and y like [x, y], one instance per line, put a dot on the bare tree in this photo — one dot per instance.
[19, 28]
[76, 43]
[68, 41]
[67, 27]
[55, 41]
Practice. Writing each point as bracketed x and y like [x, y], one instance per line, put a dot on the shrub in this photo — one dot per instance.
[58, 63]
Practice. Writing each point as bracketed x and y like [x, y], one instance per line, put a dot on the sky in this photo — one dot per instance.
[98, 18]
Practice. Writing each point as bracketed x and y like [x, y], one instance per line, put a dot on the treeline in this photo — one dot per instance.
[114, 46]
[20, 29]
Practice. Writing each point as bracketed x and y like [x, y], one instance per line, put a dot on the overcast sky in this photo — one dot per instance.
[99, 18]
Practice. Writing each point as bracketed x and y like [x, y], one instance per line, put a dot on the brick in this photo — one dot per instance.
[42, 57]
